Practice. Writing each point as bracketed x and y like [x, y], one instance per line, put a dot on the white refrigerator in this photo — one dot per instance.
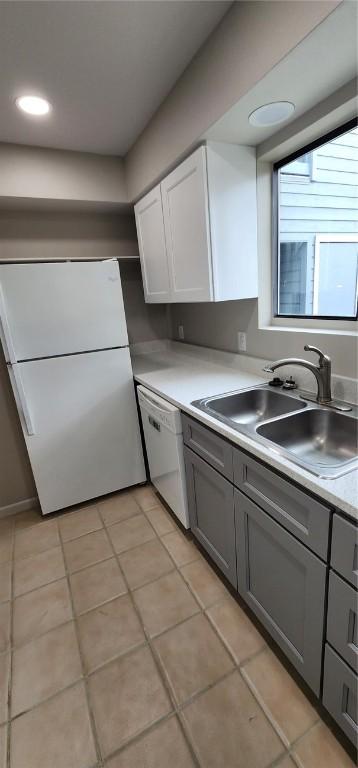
[64, 335]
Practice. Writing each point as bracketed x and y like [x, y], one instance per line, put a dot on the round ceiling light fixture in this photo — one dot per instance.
[271, 114]
[33, 105]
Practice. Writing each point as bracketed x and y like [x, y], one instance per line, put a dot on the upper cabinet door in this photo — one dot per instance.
[152, 249]
[187, 231]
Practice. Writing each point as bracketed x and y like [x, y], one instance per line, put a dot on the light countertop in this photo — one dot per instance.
[181, 376]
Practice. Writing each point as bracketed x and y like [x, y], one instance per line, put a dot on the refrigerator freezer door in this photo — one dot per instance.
[86, 439]
[63, 308]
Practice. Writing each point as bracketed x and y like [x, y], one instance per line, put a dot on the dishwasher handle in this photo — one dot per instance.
[152, 403]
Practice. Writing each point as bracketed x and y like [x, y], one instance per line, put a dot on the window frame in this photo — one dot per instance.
[345, 128]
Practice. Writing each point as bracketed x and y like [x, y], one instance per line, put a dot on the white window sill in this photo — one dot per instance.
[305, 329]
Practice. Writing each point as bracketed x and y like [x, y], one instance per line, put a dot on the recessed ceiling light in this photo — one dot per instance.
[271, 114]
[33, 105]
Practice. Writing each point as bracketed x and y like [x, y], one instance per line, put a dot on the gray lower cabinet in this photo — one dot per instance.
[342, 619]
[211, 512]
[272, 540]
[340, 693]
[344, 552]
[303, 516]
[284, 584]
[211, 447]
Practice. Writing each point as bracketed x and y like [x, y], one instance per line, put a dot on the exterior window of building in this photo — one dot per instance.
[316, 221]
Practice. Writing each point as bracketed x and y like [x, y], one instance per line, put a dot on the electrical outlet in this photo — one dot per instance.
[181, 332]
[241, 338]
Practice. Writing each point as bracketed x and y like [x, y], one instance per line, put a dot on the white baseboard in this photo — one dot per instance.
[19, 506]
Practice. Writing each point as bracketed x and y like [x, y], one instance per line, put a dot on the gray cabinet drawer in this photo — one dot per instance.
[211, 447]
[342, 619]
[211, 512]
[284, 584]
[344, 553]
[340, 693]
[302, 515]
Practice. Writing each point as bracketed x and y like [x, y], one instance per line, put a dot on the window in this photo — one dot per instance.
[316, 229]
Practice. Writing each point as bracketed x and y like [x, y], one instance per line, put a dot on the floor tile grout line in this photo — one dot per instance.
[139, 736]
[151, 581]
[89, 565]
[99, 762]
[276, 763]
[31, 591]
[47, 699]
[302, 735]
[153, 652]
[95, 607]
[270, 716]
[36, 637]
[238, 663]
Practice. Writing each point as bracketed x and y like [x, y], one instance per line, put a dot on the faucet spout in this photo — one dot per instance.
[321, 372]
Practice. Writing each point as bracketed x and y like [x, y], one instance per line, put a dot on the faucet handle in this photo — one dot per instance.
[322, 357]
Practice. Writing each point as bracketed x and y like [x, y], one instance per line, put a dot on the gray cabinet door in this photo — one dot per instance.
[342, 619]
[210, 446]
[305, 517]
[284, 584]
[344, 552]
[340, 687]
[211, 513]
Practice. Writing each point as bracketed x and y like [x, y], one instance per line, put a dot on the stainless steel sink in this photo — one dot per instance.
[313, 436]
[253, 406]
[316, 436]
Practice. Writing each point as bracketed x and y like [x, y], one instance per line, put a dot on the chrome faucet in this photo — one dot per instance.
[322, 373]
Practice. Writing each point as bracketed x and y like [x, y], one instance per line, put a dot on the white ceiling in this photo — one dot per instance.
[105, 66]
[319, 65]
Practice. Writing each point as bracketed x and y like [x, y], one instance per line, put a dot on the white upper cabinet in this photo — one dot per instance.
[187, 230]
[152, 247]
[207, 209]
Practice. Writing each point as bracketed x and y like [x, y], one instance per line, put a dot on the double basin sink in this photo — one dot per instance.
[319, 439]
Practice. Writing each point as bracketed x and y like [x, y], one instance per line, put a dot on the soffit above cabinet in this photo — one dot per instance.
[48, 179]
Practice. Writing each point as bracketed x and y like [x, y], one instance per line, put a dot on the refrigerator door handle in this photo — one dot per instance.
[16, 379]
[20, 398]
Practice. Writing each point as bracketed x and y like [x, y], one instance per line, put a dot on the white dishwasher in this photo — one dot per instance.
[164, 443]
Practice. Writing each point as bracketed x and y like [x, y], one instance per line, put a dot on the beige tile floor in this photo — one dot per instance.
[120, 647]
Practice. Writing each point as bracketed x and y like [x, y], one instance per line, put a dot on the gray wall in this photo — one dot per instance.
[145, 322]
[36, 173]
[216, 325]
[45, 234]
[62, 235]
